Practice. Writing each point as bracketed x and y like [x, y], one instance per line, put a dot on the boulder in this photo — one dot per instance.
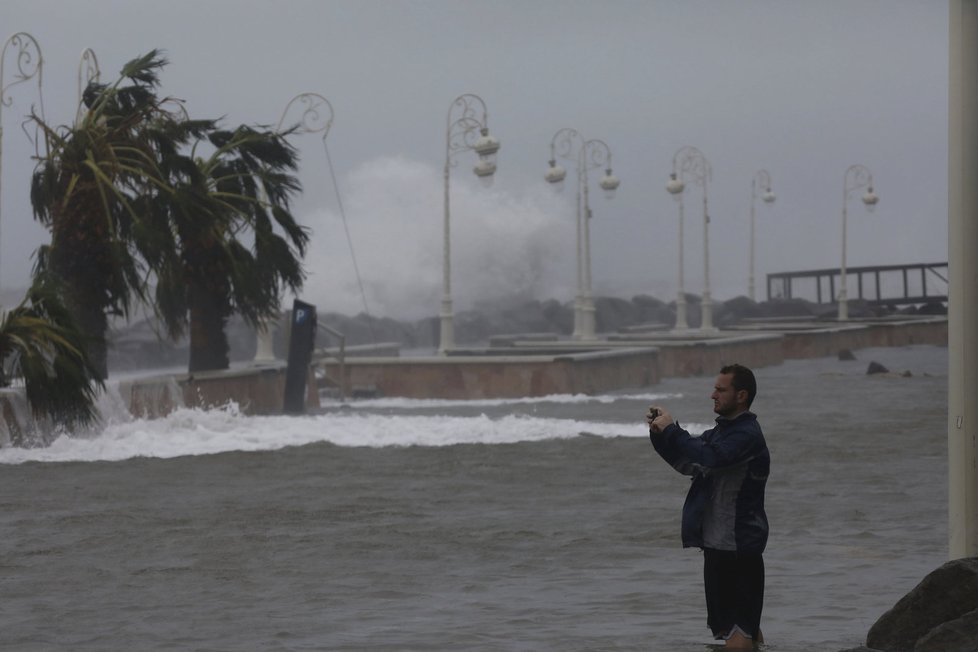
[846, 354]
[952, 636]
[937, 615]
[876, 368]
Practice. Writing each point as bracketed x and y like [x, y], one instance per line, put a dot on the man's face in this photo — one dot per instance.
[724, 396]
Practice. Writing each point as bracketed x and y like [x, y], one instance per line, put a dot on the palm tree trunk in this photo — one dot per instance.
[208, 339]
[93, 324]
[77, 265]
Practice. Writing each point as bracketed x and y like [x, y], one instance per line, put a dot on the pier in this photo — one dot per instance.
[891, 285]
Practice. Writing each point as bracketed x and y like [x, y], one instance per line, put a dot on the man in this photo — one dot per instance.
[724, 510]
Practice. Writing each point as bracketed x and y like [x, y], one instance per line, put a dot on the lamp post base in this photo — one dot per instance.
[265, 350]
[707, 321]
[587, 320]
[681, 323]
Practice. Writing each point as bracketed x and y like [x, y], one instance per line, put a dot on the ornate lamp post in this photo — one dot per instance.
[856, 177]
[761, 180]
[587, 154]
[467, 128]
[29, 64]
[88, 71]
[316, 116]
[689, 163]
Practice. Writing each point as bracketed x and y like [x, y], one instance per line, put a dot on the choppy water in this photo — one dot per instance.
[544, 524]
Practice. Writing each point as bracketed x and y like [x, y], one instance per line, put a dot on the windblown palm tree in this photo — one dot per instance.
[236, 244]
[89, 189]
[127, 205]
[40, 345]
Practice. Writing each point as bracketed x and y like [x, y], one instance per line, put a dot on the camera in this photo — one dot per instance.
[653, 413]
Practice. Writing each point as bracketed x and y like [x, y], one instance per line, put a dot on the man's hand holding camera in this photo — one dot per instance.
[658, 418]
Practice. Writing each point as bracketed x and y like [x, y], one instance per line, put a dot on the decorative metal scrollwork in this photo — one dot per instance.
[28, 63]
[316, 114]
[465, 128]
[690, 163]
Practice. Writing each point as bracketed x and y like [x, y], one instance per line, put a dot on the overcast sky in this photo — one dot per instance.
[802, 89]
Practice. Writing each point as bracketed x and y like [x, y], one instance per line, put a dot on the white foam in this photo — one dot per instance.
[408, 403]
[203, 432]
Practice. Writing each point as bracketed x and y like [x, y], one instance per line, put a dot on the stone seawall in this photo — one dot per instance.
[496, 376]
[829, 341]
[255, 390]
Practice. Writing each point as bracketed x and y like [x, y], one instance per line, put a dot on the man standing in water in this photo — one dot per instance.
[724, 510]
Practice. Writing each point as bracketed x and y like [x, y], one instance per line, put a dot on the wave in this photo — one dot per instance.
[188, 432]
[395, 402]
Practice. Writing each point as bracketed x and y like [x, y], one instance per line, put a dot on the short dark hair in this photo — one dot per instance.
[743, 379]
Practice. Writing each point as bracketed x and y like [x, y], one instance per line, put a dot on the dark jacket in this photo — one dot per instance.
[729, 464]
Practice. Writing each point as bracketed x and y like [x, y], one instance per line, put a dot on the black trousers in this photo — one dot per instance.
[734, 583]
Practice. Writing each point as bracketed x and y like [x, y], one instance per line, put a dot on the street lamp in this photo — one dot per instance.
[587, 154]
[689, 163]
[316, 116]
[28, 65]
[856, 177]
[465, 130]
[88, 72]
[763, 180]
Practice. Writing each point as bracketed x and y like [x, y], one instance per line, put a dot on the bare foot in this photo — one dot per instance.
[738, 641]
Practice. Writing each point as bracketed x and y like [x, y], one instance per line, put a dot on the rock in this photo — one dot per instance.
[876, 368]
[939, 612]
[956, 635]
[846, 354]
[932, 308]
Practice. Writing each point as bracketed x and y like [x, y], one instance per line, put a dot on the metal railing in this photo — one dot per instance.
[878, 284]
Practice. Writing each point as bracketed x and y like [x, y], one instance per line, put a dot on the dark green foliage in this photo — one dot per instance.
[133, 204]
[40, 343]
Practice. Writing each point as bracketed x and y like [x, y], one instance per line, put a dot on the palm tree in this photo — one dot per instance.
[89, 188]
[236, 245]
[40, 345]
[127, 204]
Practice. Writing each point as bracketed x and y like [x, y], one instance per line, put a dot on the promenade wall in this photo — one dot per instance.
[502, 376]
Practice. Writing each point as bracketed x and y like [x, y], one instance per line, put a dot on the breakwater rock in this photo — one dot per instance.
[940, 614]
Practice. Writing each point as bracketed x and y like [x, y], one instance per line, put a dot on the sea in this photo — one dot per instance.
[523, 524]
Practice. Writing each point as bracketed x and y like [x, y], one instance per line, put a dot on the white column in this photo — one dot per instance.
[963, 279]
[681, 323]
[265, 334]
[447, 315]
